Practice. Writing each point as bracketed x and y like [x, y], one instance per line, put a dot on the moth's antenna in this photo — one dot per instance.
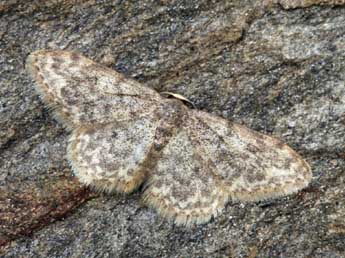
[178, 96]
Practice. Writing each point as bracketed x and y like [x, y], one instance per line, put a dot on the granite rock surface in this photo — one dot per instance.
[277, 67]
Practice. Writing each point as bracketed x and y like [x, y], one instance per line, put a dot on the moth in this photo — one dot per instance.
[124, 135]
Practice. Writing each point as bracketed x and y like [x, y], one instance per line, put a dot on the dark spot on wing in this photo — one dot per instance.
[287, 163]
[260, 143]
[252, 148]
[75, 57]
[259, 176]
[57, 60]
[55, 66]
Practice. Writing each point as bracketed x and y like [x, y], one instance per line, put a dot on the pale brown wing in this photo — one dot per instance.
[253, 166]
[182, 186]
[211, 160]
[113, 156]
[82, 92]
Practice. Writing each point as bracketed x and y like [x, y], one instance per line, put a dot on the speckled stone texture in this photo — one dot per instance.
[275, 66]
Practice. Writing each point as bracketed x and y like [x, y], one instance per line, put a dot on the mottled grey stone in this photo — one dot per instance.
[277, 68]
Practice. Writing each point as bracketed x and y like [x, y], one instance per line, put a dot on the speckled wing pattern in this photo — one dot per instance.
[191, 163]
[113, 156]
[84, 93]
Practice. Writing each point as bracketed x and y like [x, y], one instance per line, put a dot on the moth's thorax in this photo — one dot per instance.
[172, 109]
[171, 115]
